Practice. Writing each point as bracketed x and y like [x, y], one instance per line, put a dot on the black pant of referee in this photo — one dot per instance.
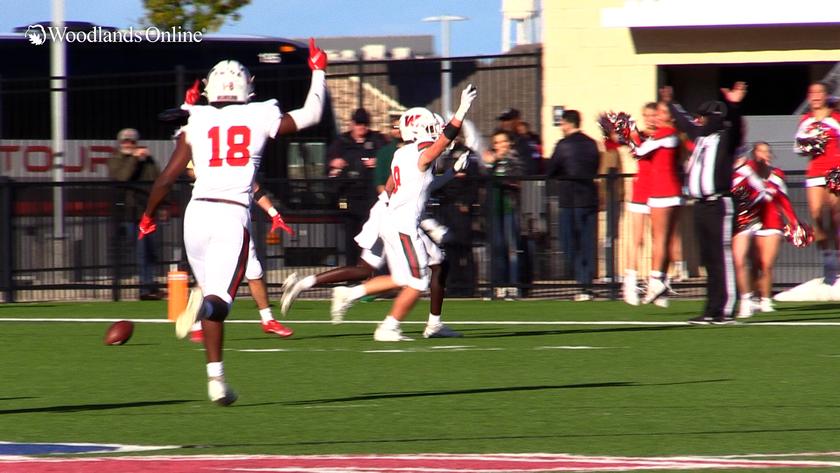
[714, 218]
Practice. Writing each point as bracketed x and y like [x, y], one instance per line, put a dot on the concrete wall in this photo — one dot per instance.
[593, 69]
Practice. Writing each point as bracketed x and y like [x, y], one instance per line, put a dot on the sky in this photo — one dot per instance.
[481, 34]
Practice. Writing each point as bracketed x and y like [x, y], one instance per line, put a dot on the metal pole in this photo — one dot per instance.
[58, 103]
[361, 92]
[612, 231]
[180, 84]
[7, 239]
[446, 74]
[445, 65]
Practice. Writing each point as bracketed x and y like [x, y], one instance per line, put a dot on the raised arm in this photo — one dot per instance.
[310, 113]
[450, 131]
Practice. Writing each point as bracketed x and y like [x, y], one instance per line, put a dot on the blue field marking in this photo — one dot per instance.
[27, 448]
[16, 448]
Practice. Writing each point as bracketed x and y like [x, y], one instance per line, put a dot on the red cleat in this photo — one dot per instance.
[197, 336]
[273, 326]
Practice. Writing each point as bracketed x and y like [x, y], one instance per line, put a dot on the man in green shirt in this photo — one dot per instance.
[386, 154]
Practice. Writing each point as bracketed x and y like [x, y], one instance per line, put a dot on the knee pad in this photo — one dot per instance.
[221, 309]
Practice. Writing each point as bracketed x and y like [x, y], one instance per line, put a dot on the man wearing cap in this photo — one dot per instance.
[716, 134]
[353, 155]
[132, 163]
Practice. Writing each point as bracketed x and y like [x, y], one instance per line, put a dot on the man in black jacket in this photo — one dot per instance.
[352, 155]
[575, 162]
[716, 135]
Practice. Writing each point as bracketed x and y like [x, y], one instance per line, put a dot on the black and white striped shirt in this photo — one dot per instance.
[709, 170]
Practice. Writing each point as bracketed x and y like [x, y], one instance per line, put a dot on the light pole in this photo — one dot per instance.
[446, 74]
[58, 104]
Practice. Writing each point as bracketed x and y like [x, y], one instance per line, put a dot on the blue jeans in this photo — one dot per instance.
[577, 240]
[505, 249]
[145, 257]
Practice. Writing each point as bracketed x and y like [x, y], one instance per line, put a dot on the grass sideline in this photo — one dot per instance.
[583, 389]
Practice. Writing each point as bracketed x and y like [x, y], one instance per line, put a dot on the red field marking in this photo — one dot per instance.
[425, 463]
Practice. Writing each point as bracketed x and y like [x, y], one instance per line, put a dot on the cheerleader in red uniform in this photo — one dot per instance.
[817, 137]
[749, 194]
[639, 212]
[775, 216]
[664, 200]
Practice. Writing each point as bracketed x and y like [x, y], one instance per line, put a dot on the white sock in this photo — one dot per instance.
[308, 282]
[747, 296]
[215, 370]
[766, 300]
[630, 274]
[357, 292]
[657, 275]
[433, 320]
[390, 322]
[196, 326]
[266, 315]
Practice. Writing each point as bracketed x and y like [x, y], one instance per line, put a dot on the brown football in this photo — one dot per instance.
[119, 332]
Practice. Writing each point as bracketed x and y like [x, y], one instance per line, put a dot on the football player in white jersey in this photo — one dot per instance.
[372, 258]
[408, 185]
[253, 269]
[225, 141]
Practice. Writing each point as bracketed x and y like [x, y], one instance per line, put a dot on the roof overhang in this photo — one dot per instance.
[715, 13]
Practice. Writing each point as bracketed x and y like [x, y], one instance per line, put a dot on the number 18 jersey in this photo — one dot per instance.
[411, 186]
[227, 146]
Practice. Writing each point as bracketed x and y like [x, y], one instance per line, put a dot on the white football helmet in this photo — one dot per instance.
[419, 123]
[229, 81]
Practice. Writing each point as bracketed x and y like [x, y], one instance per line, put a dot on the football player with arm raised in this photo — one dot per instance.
[253, 269]
[225, 141]
[400, 232]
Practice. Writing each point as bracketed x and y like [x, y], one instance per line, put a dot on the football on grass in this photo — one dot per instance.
[119, 332]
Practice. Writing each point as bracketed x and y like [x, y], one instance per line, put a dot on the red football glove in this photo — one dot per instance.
[317, 57]
[193, 94]
[147, 226]
[278, 223]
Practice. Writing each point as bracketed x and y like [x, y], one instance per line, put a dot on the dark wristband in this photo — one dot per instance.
[450, 131]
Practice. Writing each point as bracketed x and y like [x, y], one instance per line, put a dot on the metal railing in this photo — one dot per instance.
[95, 258]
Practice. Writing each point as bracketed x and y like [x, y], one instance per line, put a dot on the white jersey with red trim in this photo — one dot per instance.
[411, 186]
[227, 144]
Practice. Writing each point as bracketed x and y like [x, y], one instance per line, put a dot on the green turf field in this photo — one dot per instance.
[608, 389]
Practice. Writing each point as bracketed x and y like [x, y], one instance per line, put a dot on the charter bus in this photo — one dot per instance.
[113, 85]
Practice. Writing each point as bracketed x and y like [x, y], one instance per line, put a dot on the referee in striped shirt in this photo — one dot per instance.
[716, 134]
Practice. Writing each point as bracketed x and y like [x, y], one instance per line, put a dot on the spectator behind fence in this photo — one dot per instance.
[576, 156]
[527, 144]
[132, 163]
[457, 200]
[353, 155]
[503, 162]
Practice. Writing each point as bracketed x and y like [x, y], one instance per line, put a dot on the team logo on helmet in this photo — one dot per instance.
[229, 81]
[418, 123]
